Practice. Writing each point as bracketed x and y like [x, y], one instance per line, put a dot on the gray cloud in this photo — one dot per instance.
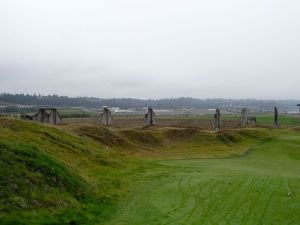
[151, 49]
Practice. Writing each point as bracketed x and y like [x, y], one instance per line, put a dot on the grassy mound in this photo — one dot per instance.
[104, 136]
[173, 142]
[25, 166]
[48, 176]
[143, 138]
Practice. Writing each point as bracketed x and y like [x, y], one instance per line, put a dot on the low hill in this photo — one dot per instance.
[170, 142]
[48, 176]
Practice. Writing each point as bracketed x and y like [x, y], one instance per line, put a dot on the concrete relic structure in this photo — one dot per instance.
[244, 117]
[106, 117]
[276, 120]
[149, 117]
[47, 115]
[217, 120]
[251, 120]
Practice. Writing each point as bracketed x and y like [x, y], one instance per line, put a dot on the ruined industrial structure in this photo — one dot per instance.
[106, 117]
[149, 117]
[46, 115]
[50, 115]
[276, 120]
[217, 120]
[251, 120]
[244, 117]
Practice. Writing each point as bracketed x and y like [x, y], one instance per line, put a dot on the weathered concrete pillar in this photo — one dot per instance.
[217, 120]
[276, 120]
[42, 114]
[251, 120]
[54, 112]
[106, 117]
[244, 117]
[47, 115]
[149, 117]
[54, 117]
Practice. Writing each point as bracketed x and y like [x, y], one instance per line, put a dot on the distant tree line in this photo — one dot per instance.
[166, 103]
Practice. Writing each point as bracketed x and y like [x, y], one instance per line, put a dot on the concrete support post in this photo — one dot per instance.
[42, 112]
[217, 120]
[149, 117]
[276, 119]
[106, 117]
[244, 117]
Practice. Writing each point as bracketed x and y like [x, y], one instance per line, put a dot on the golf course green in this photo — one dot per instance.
[262, 187]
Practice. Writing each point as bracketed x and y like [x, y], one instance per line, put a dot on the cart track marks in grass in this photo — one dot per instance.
[266, 184]
[209, 198]
[194, 205]
[205, 204]
[183, 199]
[212, 202]
[196, 202]
[241, 200]
[237, 184]
[195, 198]
[269, 200]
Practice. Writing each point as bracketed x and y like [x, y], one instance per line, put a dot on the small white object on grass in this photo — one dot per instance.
[290, 193]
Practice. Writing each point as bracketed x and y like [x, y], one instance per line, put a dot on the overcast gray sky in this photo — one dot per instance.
[151, 49]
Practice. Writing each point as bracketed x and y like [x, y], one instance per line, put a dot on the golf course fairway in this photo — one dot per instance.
[260, 188]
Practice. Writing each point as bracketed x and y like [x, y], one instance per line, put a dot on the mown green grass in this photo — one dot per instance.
[284, 120]
[94, 175]
[252, 189]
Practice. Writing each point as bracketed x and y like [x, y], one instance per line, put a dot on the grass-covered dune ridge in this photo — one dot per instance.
[177, 142]
[47, 170]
